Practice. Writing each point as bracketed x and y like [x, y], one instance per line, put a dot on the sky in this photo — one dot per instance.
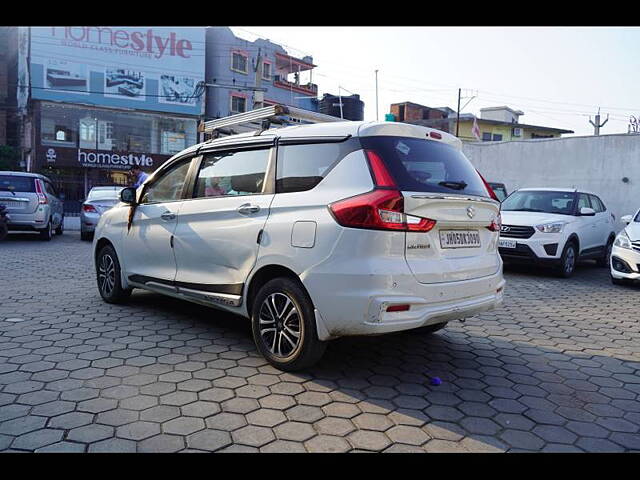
[558, 76]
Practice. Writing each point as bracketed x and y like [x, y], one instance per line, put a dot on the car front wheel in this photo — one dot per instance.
[283, 325]
[568, 260]
[108, 277]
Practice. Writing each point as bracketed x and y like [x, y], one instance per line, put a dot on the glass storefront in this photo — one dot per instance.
[79, 147]
[111, 130]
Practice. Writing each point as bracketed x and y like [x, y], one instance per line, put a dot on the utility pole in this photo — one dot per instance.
[458, 114]
[597, 125]
[258, 95]
[376, 95]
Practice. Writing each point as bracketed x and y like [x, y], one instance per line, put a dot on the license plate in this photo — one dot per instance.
[459, 238]
[504, 243]
[13, 204]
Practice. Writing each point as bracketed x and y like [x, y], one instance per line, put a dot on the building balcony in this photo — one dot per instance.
[288, 64]
[306, 89]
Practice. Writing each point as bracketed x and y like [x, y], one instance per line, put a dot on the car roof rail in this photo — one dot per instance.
[261, 119]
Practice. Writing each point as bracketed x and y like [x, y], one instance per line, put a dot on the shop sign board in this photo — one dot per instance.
[148, 68]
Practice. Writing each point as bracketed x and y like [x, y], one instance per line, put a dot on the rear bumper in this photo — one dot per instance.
[27, 222]
[358, 305]
[89, 221]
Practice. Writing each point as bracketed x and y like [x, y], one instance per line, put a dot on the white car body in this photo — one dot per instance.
[522, 241]
[627, 248]
[211, 251]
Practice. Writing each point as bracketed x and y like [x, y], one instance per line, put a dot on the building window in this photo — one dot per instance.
[486, 136]
[239, 62]
[266, 71]
[497, 137]
[238, 104]
[116, 131]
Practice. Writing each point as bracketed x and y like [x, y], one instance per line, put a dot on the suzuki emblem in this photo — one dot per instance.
[505, 228]
[471, 211]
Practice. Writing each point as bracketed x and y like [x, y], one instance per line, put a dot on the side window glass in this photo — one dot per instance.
[169, 186]
[302, 167]
[583, 201]
[232, 173]
[597, 204]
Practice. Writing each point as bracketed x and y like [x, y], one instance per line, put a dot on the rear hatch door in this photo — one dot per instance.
[438, 182]
[18, 193]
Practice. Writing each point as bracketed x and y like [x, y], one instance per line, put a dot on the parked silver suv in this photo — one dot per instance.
[32, 202]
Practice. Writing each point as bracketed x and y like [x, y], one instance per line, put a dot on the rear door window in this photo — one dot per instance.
[426, 166]
[15, 183]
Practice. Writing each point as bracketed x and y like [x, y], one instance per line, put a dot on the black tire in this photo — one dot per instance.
[604, 261]
[86, 236]
[280, 347]
[60, 229]
[431, 328]
[4, 230]
[568, 260]
[108, 277]
[47, 233]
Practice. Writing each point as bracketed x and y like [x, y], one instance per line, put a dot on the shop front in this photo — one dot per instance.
[80, 147]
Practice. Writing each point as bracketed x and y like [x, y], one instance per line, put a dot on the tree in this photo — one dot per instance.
[9, 158]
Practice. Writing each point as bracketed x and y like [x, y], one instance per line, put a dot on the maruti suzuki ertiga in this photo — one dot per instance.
[313, 232]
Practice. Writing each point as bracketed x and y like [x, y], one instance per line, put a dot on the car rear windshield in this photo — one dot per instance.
[426, 165]
[540, 201]
[15, 183]
[104, 194]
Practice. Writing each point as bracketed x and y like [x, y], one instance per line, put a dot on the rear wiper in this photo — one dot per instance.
[7, 189]
[453, 185]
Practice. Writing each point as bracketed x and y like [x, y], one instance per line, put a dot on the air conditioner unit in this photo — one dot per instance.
[517, 132]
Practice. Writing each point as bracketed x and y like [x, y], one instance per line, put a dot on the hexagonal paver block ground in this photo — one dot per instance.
[138, 430]
[209, 440]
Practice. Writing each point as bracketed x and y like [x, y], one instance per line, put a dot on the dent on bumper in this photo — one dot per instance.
[375, 319]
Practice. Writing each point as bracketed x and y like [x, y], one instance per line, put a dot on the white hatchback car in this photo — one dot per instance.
[555, 227]
[313, 232]
[625, 255]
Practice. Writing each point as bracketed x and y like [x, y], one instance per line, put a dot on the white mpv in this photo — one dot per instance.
[313, 232]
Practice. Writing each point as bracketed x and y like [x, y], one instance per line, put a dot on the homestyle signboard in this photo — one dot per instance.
[89, 158]
[150, 68]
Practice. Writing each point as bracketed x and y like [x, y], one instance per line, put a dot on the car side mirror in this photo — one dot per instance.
[587, 212]
[626, 219]
[128, 195]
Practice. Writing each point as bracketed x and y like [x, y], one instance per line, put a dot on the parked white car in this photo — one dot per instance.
[555, 227]
[313, 232]
[625, 254]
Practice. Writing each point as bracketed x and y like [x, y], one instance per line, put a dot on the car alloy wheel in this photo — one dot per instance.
[570, 261]
[106, 274]
[280, 325]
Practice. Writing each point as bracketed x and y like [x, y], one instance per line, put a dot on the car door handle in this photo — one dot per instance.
[247, 209]
[166, 216]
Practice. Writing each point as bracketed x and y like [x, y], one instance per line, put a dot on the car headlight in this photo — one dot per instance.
[551, 227]
[623, 241]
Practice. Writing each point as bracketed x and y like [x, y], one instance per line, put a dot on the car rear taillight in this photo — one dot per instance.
[89, 209]
[380, 209]
[492, 194]
[42, 198]
[496, 224]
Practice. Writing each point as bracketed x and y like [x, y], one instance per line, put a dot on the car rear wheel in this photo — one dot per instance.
[47, 233]
[108, 277]
[284, 327]
[60, 229]
[568, 260]
[605, 260]
[86, 236]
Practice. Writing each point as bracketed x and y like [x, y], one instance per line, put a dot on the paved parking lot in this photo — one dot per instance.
[555, 369]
